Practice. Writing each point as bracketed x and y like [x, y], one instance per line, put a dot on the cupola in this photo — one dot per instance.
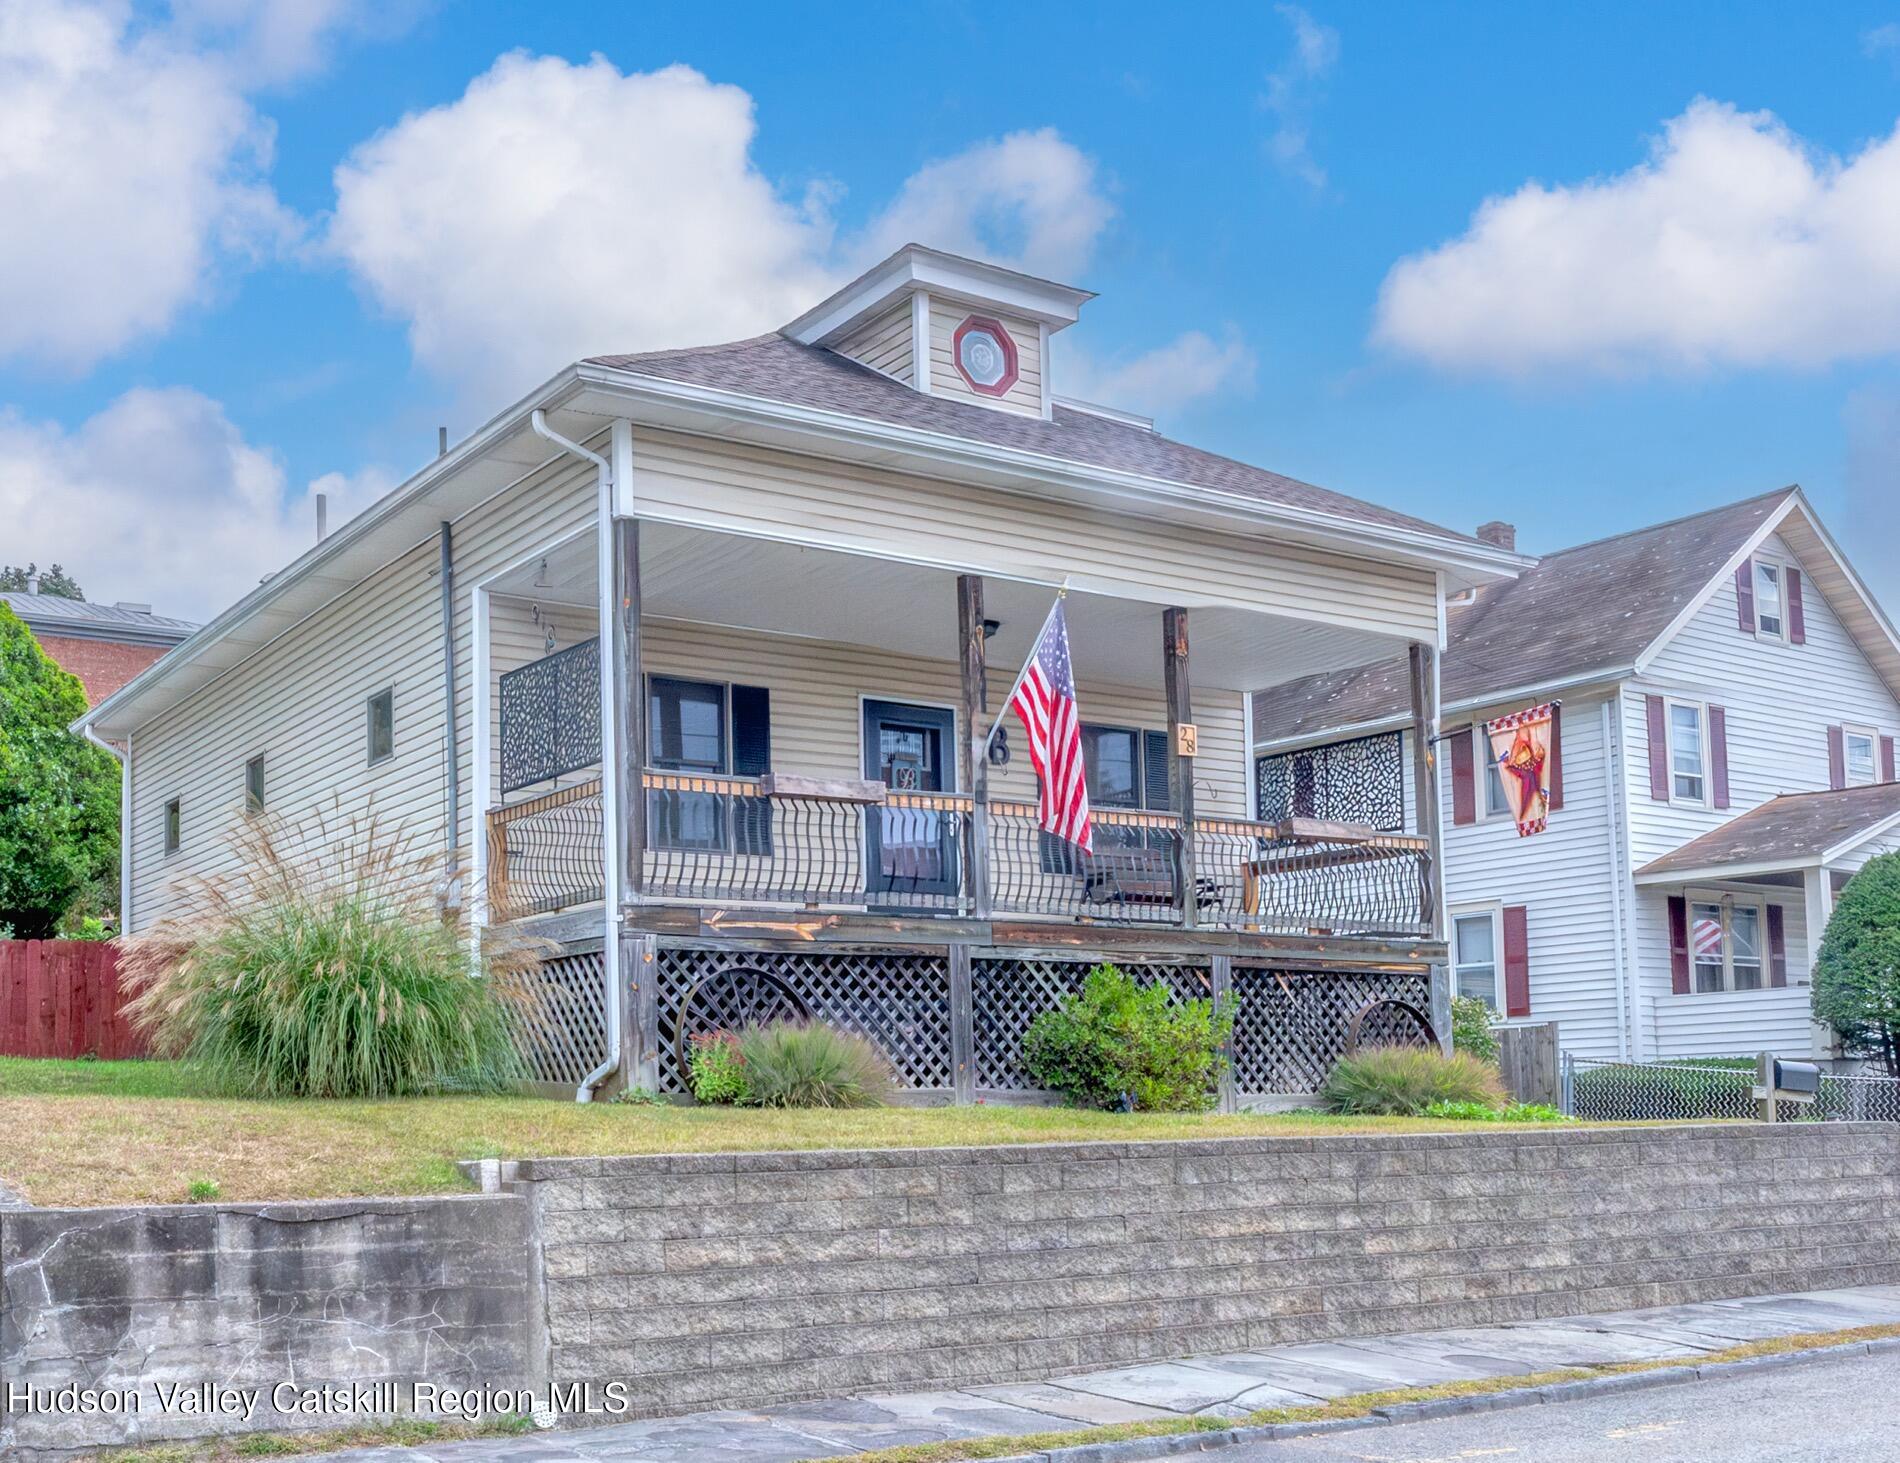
[949, 326]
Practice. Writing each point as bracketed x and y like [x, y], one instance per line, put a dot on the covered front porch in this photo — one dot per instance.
[812, 754]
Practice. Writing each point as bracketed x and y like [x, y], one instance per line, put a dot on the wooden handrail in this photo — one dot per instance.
[560, 797]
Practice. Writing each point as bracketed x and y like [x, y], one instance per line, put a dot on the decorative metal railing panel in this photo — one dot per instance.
[1311, 879]
[1291, 1026]
[1357, 781]
[563, 1030]
[1008, 993]
[897, 1000]
[1132, 877]
[545, 854]
[550, 717]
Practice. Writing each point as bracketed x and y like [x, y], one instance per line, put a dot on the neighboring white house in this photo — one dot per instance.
[690, 657]
[1726, 728]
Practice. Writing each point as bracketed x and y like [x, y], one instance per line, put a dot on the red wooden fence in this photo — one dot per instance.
[60, 998]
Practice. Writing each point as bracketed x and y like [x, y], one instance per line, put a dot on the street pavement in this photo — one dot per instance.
[1234, 1384]
[1825, 1411]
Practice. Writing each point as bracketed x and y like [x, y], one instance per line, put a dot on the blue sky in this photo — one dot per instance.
[206, 320]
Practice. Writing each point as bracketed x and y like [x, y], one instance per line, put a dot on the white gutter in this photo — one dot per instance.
[609, 791]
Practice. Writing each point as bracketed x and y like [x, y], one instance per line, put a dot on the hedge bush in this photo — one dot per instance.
[1471, 1030]
[1122, 1045]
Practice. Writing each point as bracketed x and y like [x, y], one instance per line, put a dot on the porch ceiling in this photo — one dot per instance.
[820, 594]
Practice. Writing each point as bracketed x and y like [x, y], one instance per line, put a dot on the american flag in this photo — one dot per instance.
[1708, 937]
[1045, 699]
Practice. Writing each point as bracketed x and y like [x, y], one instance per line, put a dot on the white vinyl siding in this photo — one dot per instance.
[751, 490]
[946, 380]
[1726, 1022]
[883, 343]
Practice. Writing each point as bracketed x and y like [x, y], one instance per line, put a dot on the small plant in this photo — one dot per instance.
[1404, 1081]
[809, 1064]
[1471, 1031]
[201, 1191]
[638, 1097]
[718, 1070]
[1478, 1112]
[323, 968]
[1119, 1044]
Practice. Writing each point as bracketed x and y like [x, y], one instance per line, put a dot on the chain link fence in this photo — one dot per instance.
[1621, 1092]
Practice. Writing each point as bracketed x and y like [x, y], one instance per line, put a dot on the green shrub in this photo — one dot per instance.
[1857, 973]
[717, 1070]
[329, 973]
[1404, 1081]
[809, 1064]
[1479, 1112]
[1122, 1044]
[1471, 1031]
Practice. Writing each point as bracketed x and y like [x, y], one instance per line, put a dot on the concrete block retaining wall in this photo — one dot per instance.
[741, 1279]
[126, 1302]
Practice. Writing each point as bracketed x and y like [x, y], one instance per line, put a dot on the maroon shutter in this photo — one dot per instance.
[1836, 757]
[1777, 947]
[1797, 619]
[1718, 754]
[1658, 749]
[1886, 759]
[1745, 595]
[1517, 960]
[1679, 944]
[1464, 790]
[1556, 758]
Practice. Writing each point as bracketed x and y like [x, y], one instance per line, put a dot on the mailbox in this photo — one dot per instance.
[1803, 1078]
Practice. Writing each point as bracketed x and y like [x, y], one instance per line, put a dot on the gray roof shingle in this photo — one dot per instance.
[1592, 608]
[777, 369]
[1787, 829]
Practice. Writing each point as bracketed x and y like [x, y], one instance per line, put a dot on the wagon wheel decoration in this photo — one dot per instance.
[743, 995]
[1388, 1021]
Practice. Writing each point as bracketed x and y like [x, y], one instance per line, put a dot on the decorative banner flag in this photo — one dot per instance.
[1521, 750]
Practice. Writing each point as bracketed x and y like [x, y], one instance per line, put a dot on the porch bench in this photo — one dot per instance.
[1141, 876]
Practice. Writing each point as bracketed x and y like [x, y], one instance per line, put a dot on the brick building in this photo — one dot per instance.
[104, 645]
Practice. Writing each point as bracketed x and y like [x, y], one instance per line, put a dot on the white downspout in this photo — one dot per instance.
[125, 822]
[609, 793]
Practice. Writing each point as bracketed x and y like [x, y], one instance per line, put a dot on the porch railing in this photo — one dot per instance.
[849, 845]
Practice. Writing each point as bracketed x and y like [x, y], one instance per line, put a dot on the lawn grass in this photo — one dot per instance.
[90, 1133]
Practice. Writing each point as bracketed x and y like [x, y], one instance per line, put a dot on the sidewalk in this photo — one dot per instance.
[1231, 1385]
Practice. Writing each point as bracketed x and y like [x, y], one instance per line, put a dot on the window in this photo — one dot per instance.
[1111, 757]
[1768, 613]
[174, 820]
[1496, 805]
[254, 784]
[382, 726]
[1688, 757]
[1474, 954]
[1728, 944]
[686, 730]
[1863, 765]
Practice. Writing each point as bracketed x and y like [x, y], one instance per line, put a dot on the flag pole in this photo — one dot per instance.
[1062, 593]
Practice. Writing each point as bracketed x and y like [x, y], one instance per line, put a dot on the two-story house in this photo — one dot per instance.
[1726, 692]
[688, 660]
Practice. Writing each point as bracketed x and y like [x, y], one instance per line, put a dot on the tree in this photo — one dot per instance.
[59, 801]
[54, 581]
[1857, 977]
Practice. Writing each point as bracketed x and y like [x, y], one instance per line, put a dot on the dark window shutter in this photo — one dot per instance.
[1797, 617]
[751, 757]
[1517, 960]
[1777, 947]
[1679, 944]
[1154, 770]
[1745, 595]
[1718, 754]
[1658, 749]
[1464, 786]
[1556, 758]
[1886, 759]
[1836, 757]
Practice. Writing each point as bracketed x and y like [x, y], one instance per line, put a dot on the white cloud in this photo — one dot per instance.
[1192, 367]
[1734, 244]
[271, 41]
[129, 169]
[159, 498]
[1880, 40]
[1291, 93]
[556, 211]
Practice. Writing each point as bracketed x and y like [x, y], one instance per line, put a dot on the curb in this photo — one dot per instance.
[1178, 1444]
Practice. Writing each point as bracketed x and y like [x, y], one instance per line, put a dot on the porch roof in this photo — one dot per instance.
[1795, 830]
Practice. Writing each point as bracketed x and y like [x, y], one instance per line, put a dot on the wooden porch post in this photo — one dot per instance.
[630, 726]
[1174, 658]
[973, 763]
[1425, 790]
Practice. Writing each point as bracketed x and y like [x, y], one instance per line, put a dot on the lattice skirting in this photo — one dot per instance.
[1008, 994]
[564, 1029]
[1292, 1025]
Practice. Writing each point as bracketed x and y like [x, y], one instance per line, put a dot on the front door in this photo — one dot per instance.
[910, 852]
